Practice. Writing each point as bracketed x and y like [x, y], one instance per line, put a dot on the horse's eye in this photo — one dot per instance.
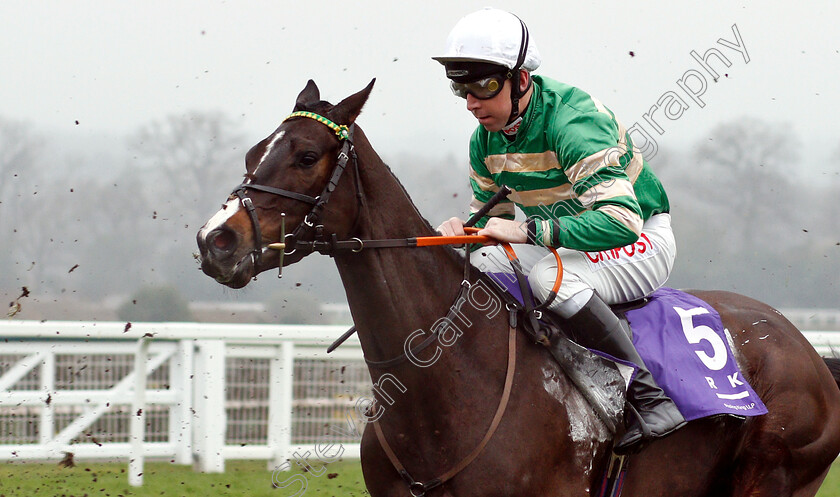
[309, 159]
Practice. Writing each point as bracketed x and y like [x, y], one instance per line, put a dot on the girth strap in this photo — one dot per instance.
[419, 489]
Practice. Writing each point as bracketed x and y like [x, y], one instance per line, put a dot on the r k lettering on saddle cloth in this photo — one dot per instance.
[583, 187]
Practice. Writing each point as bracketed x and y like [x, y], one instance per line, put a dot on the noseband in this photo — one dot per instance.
[311, 222]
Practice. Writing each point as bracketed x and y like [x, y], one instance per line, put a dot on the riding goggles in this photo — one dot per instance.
[482, 89]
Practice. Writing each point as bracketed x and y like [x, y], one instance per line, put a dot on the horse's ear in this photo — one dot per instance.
[310, 95]
[346, 111]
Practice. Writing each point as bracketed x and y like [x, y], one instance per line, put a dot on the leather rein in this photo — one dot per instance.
[308, 237]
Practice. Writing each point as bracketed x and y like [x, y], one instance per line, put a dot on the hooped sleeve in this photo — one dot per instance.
[483, 185]
[594, 158]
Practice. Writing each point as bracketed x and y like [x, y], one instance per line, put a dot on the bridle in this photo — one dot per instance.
[310, 228]
[309, 235]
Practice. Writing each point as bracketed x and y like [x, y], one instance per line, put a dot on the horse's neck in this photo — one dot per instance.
[394, 291]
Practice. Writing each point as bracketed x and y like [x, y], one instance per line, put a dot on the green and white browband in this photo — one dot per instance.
[342, 131]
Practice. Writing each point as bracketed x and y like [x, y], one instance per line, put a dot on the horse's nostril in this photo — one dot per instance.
[222, 240]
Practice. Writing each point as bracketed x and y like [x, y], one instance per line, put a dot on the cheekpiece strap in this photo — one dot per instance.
[341, 131]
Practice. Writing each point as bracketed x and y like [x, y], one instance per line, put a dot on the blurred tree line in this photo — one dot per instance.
[747, 218]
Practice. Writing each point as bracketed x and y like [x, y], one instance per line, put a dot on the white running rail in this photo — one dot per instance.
[206, 392]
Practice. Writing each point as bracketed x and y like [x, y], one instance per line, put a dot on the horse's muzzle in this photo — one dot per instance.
[219, 258]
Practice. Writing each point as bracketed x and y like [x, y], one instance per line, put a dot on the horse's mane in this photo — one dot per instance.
[324, 106]
[451, 252]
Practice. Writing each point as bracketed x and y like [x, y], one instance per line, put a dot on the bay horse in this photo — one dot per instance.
[549, 441]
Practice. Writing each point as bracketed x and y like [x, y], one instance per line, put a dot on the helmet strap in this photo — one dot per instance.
[516, 94]
[513, 75]
[514, 100]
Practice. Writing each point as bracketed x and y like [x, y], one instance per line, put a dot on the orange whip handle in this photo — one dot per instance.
[429, 241]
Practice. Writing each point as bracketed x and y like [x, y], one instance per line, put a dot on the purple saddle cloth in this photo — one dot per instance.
[683, 343]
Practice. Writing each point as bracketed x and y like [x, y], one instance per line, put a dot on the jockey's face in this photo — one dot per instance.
[493, 113]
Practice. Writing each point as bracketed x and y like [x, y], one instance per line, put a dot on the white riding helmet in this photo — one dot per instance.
[494, 36]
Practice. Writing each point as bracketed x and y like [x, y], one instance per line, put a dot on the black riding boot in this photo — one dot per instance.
[596, 327]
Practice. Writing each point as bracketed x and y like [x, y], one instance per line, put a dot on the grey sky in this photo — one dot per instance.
[114, 66]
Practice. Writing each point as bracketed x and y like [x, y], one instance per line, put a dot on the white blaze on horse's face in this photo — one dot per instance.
[231, 207]
[227, 211]
[277, 137]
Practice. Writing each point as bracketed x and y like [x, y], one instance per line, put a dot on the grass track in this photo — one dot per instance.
[241, 478]
[831, 485]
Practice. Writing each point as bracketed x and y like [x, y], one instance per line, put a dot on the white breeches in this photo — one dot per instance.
[617, 275]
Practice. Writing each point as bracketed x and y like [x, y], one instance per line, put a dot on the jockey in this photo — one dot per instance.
[583, 187]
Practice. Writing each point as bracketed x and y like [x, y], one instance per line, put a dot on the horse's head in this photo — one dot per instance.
[289, 186]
